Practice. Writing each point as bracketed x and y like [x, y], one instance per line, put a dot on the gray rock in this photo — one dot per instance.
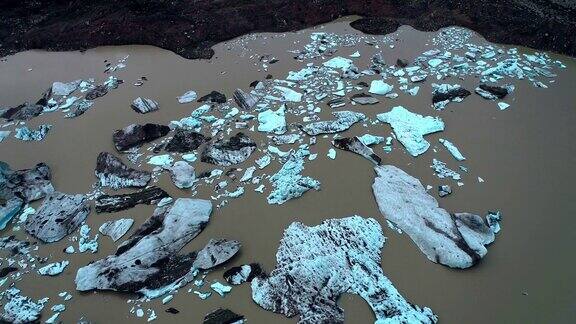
[135, 135]
[115, 203]
[457, 241]
[59, 215]
[245, 100]
[182, 174]
[235, 150]
[344, 120]
[112, 172]
[315, 265]
[364, 99]
[144, 105]
[355, 145]
[143, 256]
[117, 228]
[185, 141]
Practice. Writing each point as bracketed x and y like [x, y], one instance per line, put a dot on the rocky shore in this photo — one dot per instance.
[190, 28]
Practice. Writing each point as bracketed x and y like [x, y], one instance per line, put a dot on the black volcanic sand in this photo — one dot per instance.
[525, 154]
[190, 28]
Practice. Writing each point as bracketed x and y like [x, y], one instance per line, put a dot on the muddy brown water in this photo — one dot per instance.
[526, 155]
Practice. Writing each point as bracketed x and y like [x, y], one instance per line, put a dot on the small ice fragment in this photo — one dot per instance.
[187, 97]
[220, 288]
[503, 105]
[161, 160]
[380, 87]
[452, 149]
[53, 269]
[331, 153]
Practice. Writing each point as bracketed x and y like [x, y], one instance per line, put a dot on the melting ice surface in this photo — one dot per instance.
[410, 128]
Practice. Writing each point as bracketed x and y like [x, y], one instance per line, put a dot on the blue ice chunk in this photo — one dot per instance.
[220, 288]
[85, 243]
[21, 309]
[503, 105]
[53, 269]
[321, 263]
[272, 121]
[434, 62]
[161, 160]
[410, 128]
[331, 153]
[187, 97]
[4, 135]
[263, 161]
[380, 87]
[10, 208]
[338, 62]
[202, 295]
[274, 150]
[368, 139]
[248, 174]
[442, 171]
[288, 182]
[27, 134]
[301, 75]
[452, 149]
[190, 157]
[289, 94]
[236, 193]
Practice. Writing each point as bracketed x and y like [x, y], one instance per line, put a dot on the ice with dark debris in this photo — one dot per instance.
[53, 269]
[288, 183]
[27, 134]
[457, 241]
[442, 171]
[243, 273]
[324, 261]
[410, 128]
[442, 94]
[136, 260]
[112, 172]
[114, 203]
[117, 228]
[21, 309]
[344, 120]
[136, 135]
[236, 149]
[59, 215]
[185, 140]
[144, 105]
[182, 174]
[355, 145]
[85, 243]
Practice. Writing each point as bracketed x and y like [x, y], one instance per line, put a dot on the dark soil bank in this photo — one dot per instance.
[191, 27]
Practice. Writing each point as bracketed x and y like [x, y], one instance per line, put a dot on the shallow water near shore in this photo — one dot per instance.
[525, 155]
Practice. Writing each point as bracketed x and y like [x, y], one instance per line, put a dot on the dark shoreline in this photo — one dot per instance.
[190, 29]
